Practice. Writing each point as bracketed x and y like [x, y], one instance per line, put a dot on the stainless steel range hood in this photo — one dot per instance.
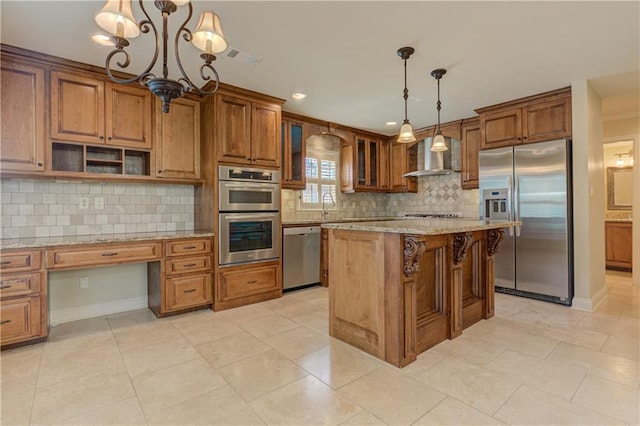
[438, 163]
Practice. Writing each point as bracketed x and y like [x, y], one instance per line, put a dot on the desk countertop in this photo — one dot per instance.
[25, 243]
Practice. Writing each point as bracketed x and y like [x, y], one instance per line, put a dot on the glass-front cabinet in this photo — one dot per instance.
[367, 163]
[293, 154]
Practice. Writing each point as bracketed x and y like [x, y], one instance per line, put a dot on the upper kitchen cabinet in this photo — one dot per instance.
[542, 117]
[470, 146]
[22, 130]
[403, 159]
[247, 130]
[293, 134]
[367, 164]
[92, 111]
[178, 139]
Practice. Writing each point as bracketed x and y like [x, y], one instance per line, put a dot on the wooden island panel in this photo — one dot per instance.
[396, 295]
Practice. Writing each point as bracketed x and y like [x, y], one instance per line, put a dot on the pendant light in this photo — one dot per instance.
[438, 141]
[406, 131]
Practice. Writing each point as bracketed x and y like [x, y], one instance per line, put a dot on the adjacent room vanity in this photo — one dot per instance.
[397, 288]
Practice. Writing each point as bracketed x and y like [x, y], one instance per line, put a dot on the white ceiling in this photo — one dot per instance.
[343, 54]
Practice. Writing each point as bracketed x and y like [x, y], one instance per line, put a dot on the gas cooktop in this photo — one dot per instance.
[432, 215]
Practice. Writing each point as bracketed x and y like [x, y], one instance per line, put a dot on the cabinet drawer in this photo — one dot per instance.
[186, 247]
[188, 292]
[241, 283]
[20, 284]
[20, 261]
[19, 319]
[77, 257]
[183, 265]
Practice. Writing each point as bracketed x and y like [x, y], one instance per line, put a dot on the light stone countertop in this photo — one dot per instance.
[435, 226]
[295, 222]
[24, 243]
[621, 220]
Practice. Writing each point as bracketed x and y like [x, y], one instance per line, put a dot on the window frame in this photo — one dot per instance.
[326, 155]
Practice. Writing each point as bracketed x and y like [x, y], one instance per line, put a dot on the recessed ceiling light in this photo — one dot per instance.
[298, 96]
[391, 123]
[102, 39]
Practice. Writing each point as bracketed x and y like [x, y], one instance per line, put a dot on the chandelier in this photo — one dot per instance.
[116, 17]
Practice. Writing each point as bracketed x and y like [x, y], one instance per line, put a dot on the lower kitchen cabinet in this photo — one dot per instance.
[618, 241]
[246, 284]
[324, 257]
[182, 280]
[23, 297]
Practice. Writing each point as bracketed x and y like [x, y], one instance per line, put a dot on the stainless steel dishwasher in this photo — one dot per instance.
[301, 256]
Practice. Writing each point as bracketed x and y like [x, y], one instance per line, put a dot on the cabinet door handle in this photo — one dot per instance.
[189, 247]
[252, 282]
[39, 164]
[101, 137]
[5, 322]
[189, 265]
[113, 253]
[190, 291]
[109, 138]
[5, 262]
[5, 286]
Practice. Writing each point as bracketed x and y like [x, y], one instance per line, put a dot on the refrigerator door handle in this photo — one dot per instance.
[509, 191]
[516, 202]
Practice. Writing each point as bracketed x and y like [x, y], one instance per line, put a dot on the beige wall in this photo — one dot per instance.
[588, 197]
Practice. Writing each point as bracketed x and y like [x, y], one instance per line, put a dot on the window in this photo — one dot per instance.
[322, 178]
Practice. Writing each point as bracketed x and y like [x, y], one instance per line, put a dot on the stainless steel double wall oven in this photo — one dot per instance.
[249, 206]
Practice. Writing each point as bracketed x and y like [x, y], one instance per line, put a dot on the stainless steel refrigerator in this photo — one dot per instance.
[531, 183]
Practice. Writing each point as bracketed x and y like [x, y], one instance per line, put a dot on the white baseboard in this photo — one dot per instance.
[590, 304]
[60, 316]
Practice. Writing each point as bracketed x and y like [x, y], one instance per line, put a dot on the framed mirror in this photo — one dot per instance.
[619, 188]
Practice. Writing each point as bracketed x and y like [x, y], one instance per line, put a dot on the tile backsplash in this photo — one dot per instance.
[47, 208]
[436, 194]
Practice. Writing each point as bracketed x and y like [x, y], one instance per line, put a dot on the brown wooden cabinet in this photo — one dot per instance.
[244, 284]
[247, 131]
[542, 117]
[365, 165]
[403, 159]
[177, 139]
[89, 110]
[23, 297]
[470, 148]
[183, 279]
[618, 243]
[22, 133]
[293, 135]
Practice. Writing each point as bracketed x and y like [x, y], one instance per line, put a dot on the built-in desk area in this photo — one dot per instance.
[180, 271]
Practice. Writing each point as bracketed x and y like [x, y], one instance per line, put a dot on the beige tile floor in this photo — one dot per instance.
[274, 363]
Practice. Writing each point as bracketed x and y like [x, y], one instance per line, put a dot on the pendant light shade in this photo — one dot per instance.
[438, 143]
[406, 131]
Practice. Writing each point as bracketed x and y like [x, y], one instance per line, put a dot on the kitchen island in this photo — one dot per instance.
[399, 287]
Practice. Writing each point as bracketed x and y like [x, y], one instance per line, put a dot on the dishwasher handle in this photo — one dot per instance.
[301, 230]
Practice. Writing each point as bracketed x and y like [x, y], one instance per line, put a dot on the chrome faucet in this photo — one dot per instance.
[325, 212]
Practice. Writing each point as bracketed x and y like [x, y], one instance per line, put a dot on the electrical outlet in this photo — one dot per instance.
[84, 282]
[84, 203]
[99, 203]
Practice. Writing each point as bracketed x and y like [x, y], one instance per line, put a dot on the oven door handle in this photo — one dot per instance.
[264, 187]
[255, 216]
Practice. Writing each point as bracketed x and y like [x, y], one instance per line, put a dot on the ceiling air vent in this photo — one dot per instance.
[237, 55]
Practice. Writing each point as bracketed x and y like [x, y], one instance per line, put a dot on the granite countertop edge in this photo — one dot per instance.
[25, 243]
[295, 222]
[423, 226]
[620, 220]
